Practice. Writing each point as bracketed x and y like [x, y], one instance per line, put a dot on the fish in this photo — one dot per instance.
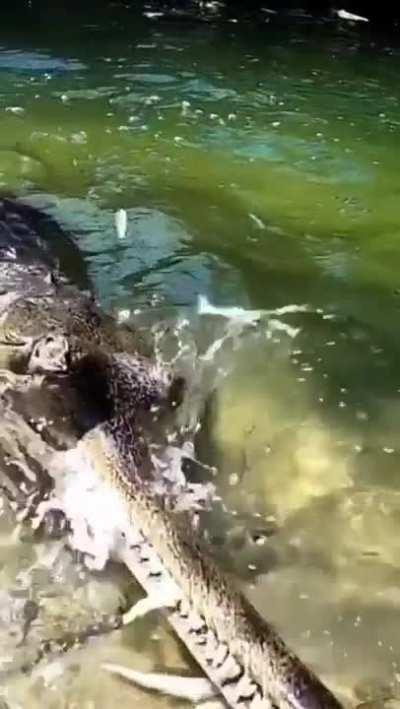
[121, 223]
[242, 315]
[350, 16]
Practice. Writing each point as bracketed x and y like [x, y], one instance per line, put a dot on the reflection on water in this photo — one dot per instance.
[259, 167]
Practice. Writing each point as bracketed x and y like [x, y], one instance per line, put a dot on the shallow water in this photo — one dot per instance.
[258, 165]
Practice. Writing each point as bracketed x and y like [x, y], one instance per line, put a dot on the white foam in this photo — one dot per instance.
[95, 511]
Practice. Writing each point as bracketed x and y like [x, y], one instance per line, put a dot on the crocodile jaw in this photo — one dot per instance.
[102, 527]
[241, 654]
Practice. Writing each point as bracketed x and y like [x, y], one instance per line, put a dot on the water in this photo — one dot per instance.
[257, 165]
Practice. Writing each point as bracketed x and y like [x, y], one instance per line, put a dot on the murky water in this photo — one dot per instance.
[258, 166]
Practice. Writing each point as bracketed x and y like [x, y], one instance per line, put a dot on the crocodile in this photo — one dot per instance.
[241, 654]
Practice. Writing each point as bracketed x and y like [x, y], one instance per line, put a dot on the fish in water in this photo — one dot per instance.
[121, 223]
[350, 17]
[244, 315]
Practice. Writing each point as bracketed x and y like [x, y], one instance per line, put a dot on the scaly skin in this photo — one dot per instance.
[240, 652]
[66, 313]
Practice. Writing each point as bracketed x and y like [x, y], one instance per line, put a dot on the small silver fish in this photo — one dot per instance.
[344, 15]
[121, 223]
[236, 313]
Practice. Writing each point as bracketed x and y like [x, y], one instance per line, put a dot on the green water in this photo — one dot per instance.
[258, 166]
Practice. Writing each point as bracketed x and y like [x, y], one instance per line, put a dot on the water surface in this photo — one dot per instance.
[258, 166]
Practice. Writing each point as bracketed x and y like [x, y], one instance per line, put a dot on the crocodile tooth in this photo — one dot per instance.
[183, 609]
[197, 623]
[260, 702]
[144, 554]
[156, 570]
[220, 655]
[230, 671]
[211, 647]
[135, 544]
[246, 688]
[201, 637]
[156, 573]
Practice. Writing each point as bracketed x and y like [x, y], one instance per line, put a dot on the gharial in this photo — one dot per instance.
[114, 510]
[245, 660]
